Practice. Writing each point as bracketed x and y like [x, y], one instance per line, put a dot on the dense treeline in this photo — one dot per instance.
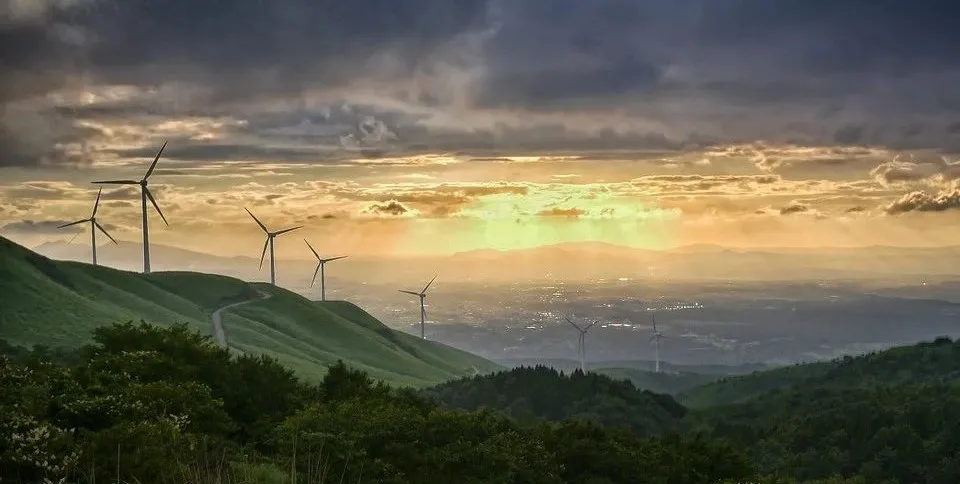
[165, 405]
[906, 433]
[532, 393]
[887, 416]
[936, 361]
[882, 417]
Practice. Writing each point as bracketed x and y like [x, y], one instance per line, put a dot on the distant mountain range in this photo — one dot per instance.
[586, 261]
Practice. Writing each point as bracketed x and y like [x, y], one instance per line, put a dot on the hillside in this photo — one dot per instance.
[888, 416]
[58, 303]
[937, 361]
[542, 393]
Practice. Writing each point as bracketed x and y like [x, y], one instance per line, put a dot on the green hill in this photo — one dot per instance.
[543, 393]
[884, 417]
[57, 303]
[936, 361]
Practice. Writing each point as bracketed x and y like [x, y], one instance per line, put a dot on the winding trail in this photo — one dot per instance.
[217, 320]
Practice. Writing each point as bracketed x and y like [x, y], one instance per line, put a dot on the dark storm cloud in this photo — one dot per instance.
[805, 71]
[390, 207]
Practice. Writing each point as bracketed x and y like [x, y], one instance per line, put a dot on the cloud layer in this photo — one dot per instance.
[301, 80]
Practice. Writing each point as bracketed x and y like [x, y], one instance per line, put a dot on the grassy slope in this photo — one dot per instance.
[60, 303]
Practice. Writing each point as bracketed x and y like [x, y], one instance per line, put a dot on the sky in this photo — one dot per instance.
[434, 127]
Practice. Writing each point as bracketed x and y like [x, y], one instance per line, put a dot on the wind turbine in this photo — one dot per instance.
[269, 241]
[656, 337]
[581, 342]
[321, 262]
[94, 225]
[144, 195]
[423, 312]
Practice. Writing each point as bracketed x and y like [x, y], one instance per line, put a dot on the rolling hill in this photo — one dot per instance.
[57, 303]
[542, 393]
[937, 361]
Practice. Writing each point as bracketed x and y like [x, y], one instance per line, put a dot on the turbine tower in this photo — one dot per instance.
[321, 262]
[144, 195]
[423, 312]
[269, 241]
[656, 337]
[94, 225]
[581, 342]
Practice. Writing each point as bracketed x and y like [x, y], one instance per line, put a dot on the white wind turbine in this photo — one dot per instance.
[269, 241]
[581, 341]
[656, 337]
[94, 225]
[321, 262]
[144, 195]
[423, 312]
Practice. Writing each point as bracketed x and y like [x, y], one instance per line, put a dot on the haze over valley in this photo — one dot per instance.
[711, 304]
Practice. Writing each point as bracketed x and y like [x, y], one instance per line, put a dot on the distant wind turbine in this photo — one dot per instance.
[581, 342]
[94, 225]
[269, 241]
[321, 262]
[423, 312]
[144, 195]
[656, 337]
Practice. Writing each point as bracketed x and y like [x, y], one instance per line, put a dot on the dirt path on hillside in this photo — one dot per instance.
[218, 332]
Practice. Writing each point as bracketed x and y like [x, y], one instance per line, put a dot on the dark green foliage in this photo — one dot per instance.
[166, 405]
[889, 416]
[936, 361]
[535, 393]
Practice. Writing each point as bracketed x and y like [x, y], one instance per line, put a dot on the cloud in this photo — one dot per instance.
[388, 208]
[919, 201]
[793, 208]
[41, 227]
[312, 81]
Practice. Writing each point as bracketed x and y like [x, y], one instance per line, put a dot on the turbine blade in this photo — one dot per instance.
[409, 292]
[311, 250]
[97, 224]
[155, 160]
[591, 325]
[428, 285]
[315, 272]
[255, 219]
[335, 258]
[117, 182]
[291, 229]
[74, 223]
[574, 324]
[96, 204]
[154, 202]
[264, 252]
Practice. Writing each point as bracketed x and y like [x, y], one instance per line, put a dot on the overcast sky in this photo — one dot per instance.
[437, 126]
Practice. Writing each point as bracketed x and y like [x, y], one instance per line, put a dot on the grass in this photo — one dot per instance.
[58, 303]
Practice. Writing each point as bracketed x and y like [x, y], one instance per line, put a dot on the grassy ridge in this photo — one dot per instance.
[58, 303]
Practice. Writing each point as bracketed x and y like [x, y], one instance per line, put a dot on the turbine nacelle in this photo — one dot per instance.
[269, 243]
[423, 312]
[94, 227]
[320, 263]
